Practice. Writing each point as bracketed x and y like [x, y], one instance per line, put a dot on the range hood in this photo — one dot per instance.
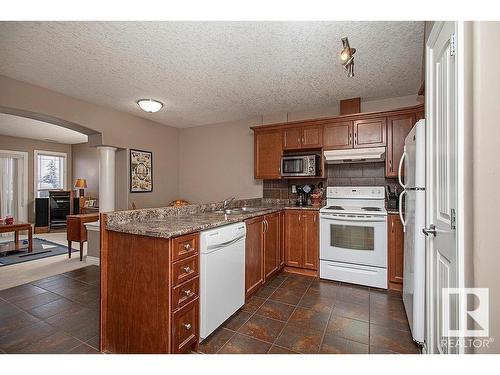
[355, 155]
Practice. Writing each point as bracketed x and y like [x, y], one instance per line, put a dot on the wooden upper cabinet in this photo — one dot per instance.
[293, 239]
[292, 138]
[271, 244]
[310, 224]
[370, 132]
[337, 136]
[396, 252]
[398, 128]
[254, 255]
[299, 138]
[267, 154]
[312, 137]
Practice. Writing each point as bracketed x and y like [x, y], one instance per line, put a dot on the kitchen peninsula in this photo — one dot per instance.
[150, 262]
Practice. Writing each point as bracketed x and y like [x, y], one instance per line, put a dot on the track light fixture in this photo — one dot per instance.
[347, 57]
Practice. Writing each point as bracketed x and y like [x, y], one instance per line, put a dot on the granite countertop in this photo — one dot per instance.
[172, 222]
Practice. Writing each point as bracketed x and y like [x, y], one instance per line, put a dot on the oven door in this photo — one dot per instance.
[357, 239]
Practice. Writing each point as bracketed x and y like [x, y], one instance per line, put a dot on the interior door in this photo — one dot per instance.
[441, 107]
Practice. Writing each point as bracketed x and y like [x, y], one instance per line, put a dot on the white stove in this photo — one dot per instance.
[353, 236]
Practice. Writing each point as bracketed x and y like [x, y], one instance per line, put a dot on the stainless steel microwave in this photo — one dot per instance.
[300, 165]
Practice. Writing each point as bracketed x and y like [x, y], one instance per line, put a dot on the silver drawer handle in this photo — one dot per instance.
[187, 246]
[186, 269]
[187, 326]
[187, 292]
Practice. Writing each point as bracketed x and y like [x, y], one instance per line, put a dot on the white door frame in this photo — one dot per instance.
[23, 203]
[460, 149]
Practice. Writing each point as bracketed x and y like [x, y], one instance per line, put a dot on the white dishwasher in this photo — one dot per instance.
[222, 275]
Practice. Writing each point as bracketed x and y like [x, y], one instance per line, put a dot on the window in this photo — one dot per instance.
[50, 172]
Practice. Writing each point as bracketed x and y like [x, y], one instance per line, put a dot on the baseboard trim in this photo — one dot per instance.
[92, 260]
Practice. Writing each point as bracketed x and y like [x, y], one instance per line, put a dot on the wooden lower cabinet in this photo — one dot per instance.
[302, 239]
[395, 246]
[149, 293]
[271, 245]
[254, 255]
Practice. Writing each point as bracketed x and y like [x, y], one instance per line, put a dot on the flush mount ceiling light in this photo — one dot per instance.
[347, 57]
[150, 105]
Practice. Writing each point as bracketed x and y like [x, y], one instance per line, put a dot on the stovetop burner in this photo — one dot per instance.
[335, 208]
[371, 208]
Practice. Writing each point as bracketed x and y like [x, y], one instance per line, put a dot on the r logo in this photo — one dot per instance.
[475, 318]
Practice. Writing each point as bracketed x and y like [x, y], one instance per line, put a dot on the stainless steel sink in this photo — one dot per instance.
[238, 210]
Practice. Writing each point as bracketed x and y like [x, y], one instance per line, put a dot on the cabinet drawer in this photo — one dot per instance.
[185, 327]
[185, 269]
[185, 246]
[185, 293]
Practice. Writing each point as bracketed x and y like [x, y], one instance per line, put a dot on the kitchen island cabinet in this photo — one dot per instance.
[149, 293]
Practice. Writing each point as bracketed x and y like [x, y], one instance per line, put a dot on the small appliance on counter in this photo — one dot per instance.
[303, 198]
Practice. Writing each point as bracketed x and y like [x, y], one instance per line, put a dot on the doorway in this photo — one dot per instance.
[14, 184]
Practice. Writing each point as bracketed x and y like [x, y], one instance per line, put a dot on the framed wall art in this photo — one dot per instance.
[141, 171]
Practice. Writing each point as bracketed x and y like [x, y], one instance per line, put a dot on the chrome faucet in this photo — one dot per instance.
[227, 202]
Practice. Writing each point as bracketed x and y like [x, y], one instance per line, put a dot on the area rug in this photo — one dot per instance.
[41, 249]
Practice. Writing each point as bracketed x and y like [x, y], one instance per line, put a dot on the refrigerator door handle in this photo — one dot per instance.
[401, 209]
[400, 167]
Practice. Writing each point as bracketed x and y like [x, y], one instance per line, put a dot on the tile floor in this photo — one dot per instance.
[58, 314]
[299, 314]
[291, 314]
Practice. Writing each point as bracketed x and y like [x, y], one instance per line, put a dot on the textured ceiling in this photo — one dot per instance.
[15, 126]
[207, 72]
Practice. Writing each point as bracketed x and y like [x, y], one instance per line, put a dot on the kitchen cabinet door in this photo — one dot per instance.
[310, 230]
[292, 139]
[293, 239]
[338, 136]
[271, 244]
[398, 128]
[267, 154]
[419, 115]
[370, 133]
[396, 252]
[254, 255]
[312, 137]
[282, 239]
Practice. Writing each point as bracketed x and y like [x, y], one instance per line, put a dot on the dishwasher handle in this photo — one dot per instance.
[225, 244]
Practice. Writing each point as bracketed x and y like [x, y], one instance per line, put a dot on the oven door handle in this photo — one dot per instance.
[365, 219]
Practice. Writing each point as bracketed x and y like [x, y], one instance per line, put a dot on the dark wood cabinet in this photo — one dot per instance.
[267, 154]
[282, 238]
[292, 138]
[299, 138]
[149, 293]
[293, 239]
[302, 239]
[310, 222]
[271, 244]
[395, 241]
[254, 255]
[419, 115]
[338, 136]
[398, 128]
[370, 132]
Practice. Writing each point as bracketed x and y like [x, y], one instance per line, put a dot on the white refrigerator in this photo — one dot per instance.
[412, 215]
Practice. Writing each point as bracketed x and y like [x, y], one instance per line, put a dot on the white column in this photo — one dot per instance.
[106, 178]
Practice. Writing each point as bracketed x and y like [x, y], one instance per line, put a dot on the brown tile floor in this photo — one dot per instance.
[292, 314]
[58, 314]
[299, 314]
